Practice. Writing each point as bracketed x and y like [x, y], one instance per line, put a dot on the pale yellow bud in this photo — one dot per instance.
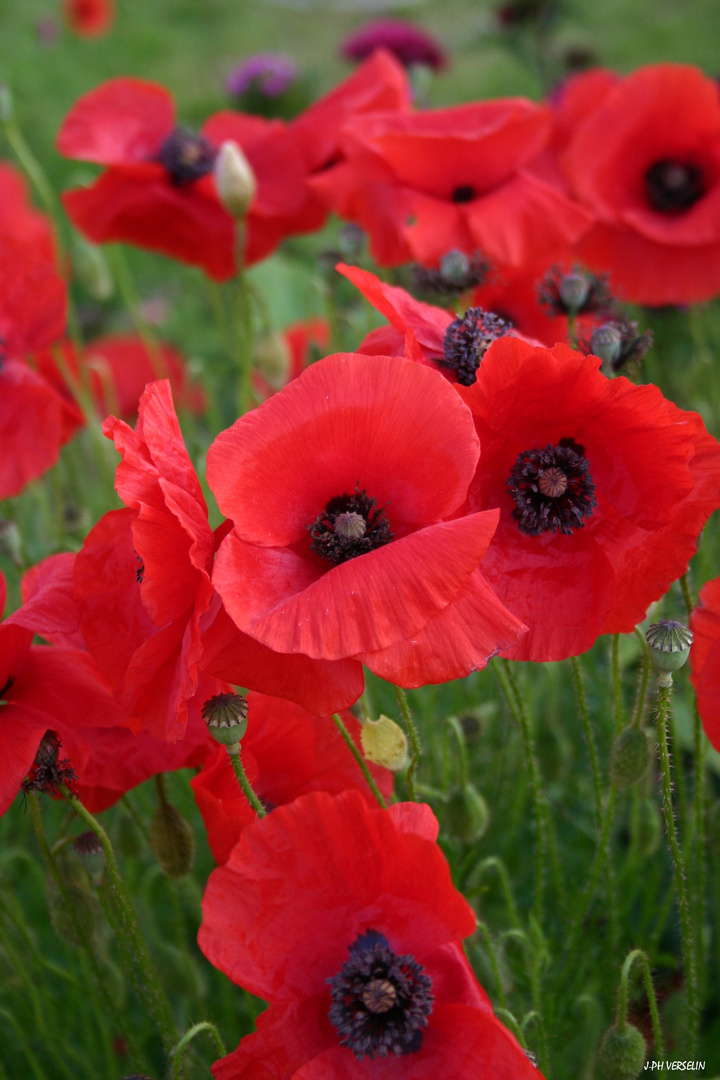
[384, 743]
[234, 180]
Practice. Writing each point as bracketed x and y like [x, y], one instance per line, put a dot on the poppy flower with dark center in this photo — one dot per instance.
[89, 18]
[423, 184]
[345, 919]
[373, 455]
[158, 190]
[603, 489]
[646, 161]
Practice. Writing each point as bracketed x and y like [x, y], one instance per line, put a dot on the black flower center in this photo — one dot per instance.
[349, 526]
[672, 186]
[552, 489]
[464, 193]
[186, 156]
[467, 340]
[380, 1001]
[49, 770]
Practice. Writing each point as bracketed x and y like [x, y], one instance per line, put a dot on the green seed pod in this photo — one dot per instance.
[669, 643]
[629, 757]
[648, 827]
[466, 814]
[226, 719]
[384, 743]
[622, 1054]
[172, 841]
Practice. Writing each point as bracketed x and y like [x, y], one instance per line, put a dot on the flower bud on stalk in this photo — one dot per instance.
[669, 642]
[234, 180]
[629, 757]
[622, 1053]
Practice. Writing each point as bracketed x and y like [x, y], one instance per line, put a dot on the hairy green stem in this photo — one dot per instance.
[245, 783]
[492, 956]
[337, 720]
[589, 737]
[642, 685]
[196, 1029]
[621, 1015]
[414, 741]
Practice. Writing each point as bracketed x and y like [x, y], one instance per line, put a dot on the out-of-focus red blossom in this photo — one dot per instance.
[286, 752]
[646, 162]
[120, 368]
[309, 893]
[511, 292]
[417, 330]
[89, 18]
[158, 191]
[45, 688]
[19, 219]
[705, 658]
[406, 41]
[656, 477]
[426, 183]
[380, 84]
[291, 354]
[33, 299]
[339, 488]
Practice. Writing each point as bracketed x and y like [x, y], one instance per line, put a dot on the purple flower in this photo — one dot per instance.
[406, 41]
[269, 73]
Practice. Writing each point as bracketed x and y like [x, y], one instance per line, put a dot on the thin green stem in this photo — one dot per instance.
[414, 741]
[686, 925]
[686, 593]
[641, 690]
[589, 737]
[492, 956]
[454, 724]
[698, 879]
[621, 1016]
[617, 683]
[131, 298]
[38, 1072]
[196, 1029]
[362, 763]
[601, 856]
[148, 983]
[494, 863]
[511, 1022]
[245, 783]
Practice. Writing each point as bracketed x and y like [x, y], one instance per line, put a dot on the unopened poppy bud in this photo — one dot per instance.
[467, 814]
[622, 1054]
[11, 543]
[226, 719]
[234, 179]
[384, 743]
[574, 288]
[90, 851]
[629, 757]
[92, 270]
[605, 342]
[669, 642]
[172, 841]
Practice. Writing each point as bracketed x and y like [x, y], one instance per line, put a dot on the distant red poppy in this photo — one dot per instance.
[452, 345]
[426, 183]
[705, 658]
[646, 162]
[603, 489]
[89, 18]
[158, 191]
[33, 298]
[340, 489]
[314, 758]
[19, 219]
[345, 919]
[120, 368]
[45, 689]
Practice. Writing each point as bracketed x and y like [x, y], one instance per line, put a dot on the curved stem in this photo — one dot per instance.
[360, 760]
[492, 862]
[196, 1029]
[245, 784]
[639, 955]
[414, 741]
[492, 956]
[511, 1022]
[454, 725]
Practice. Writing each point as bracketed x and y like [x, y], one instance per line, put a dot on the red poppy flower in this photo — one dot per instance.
[89, 18]
[512, 293]
[452, 345]
[120, 368]
[424, 184]
[603, 489]
[705, 658]
[158, 191]
[44, 689]
[19, 219]
[345, 918]
[339, 488]
[646, 161]
[314, 758]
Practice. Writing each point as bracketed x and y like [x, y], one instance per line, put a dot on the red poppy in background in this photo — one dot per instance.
[705, 658]
[345, 919]
[603, 489]
[646, 162]
[89, 18]
[512, 293]
[158, 191]
[427, 183]
[339, 488]
[45, 689]
[314, 757]
[19, 219]
[120, 368]
[452, 345]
